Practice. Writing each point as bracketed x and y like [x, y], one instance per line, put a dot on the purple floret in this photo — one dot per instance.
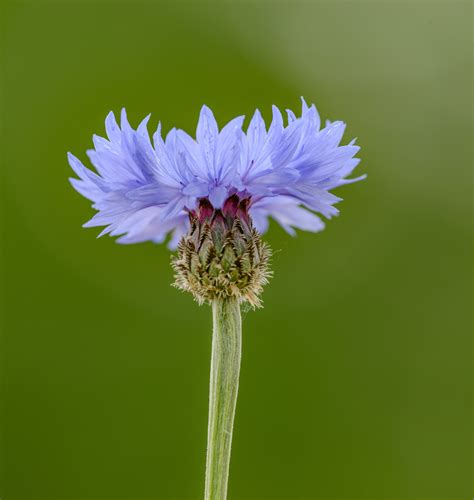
[144, 191]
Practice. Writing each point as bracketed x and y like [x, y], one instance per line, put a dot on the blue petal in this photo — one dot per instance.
[112, 128]
[218, 195]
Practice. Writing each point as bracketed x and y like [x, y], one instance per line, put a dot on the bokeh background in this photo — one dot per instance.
[356, 378]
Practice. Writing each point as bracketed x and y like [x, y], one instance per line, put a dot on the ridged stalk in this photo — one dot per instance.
[224, 385]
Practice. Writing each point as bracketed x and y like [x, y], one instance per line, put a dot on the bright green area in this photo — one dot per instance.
[356, 376]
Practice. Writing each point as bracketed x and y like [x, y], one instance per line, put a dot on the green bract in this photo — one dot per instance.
[223, 256]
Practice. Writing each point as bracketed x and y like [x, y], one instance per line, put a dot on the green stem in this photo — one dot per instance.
[224, 385]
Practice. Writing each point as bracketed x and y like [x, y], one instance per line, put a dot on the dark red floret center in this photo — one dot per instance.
[233, 208]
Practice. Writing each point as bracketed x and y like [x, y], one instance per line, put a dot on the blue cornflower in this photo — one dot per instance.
[144, 191]
[215, 195]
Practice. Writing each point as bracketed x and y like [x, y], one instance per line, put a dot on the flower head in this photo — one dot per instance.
[145, 191]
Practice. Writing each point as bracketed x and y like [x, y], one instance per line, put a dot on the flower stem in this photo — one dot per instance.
[224, 385]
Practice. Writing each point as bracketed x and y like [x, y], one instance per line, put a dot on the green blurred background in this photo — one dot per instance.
[356, 378]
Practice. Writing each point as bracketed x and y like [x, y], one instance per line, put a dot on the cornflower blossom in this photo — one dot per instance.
[215, 195]
[146, 190]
